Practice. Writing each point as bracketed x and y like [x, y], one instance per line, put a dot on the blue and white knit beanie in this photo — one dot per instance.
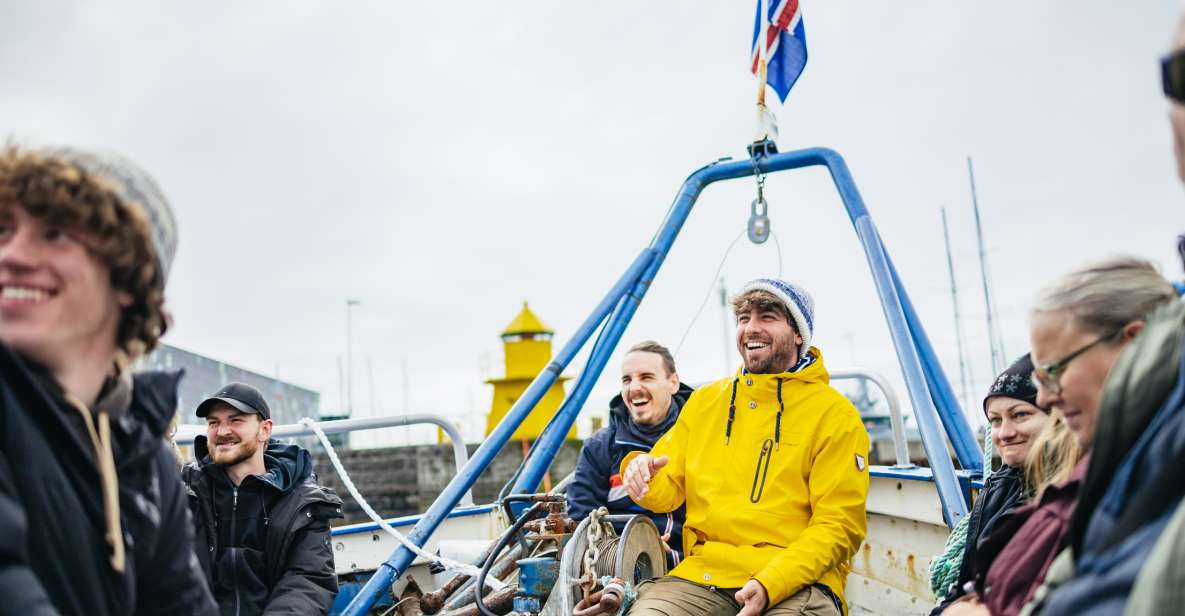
[136, 190]
[799, 304]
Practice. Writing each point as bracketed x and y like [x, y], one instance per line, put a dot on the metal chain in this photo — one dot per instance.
[592, 553]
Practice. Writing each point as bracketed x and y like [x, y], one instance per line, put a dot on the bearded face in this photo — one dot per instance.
[766, 341]
[233, 436]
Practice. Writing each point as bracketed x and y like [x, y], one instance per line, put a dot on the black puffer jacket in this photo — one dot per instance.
[265, 544]
[1003, 492]
[53, 554]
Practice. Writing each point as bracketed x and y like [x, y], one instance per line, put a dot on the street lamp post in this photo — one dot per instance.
[350, 303]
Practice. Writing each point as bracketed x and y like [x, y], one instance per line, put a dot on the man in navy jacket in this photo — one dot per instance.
[650, 400]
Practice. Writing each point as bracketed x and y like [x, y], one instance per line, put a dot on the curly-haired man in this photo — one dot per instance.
[94, 516]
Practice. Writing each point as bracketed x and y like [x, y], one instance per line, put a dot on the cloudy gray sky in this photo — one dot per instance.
[443, 163]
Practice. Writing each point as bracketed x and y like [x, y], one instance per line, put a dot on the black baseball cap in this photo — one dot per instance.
[241, 396]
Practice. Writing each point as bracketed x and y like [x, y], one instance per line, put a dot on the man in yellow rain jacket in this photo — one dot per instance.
[772, 464]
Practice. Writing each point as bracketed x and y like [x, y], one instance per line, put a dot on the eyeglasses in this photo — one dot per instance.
[1172, 75]
[1049, 375]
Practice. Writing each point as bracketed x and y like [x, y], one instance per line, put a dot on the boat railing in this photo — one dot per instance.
[900, 446]
[186, 434]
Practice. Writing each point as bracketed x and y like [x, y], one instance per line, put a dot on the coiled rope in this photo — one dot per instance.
[447, 563]
[944, 569]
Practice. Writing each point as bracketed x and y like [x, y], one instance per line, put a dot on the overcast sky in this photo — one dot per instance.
[441, 164]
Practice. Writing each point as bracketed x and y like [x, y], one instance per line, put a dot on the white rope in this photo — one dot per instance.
[447, 563]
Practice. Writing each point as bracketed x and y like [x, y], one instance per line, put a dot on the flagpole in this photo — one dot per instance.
[763, 115]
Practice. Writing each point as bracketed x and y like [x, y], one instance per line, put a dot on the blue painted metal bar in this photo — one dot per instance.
[904, 337]
[962, 437]
[407, 520]
[402, 557]
[554, 434]
[950, 493]
[909, 351]
[553, 438]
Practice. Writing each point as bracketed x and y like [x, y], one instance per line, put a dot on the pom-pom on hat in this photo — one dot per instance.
[799, 304]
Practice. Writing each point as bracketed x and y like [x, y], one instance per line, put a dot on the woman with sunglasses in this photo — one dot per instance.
[1079, 327]
[1016, 421]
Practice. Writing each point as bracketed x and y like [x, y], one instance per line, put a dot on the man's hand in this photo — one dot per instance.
[639, 473]
[753, 598]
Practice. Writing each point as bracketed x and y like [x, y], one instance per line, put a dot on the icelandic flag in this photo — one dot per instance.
[785, 40]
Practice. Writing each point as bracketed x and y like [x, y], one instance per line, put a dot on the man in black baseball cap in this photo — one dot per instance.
[241, 396]
[258, 504]
[235, 440]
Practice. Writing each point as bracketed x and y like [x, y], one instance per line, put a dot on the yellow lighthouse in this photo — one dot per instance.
[527, 348]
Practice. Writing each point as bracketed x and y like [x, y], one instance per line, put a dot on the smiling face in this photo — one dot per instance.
[56, 298]
[234, 436]
[1055, 335]
[1014, 424]
[766, 340]
[647, 388]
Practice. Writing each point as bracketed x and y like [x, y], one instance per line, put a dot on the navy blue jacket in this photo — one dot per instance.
[597, 482]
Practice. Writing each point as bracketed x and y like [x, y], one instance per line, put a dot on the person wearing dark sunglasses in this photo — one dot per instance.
[1172, 77]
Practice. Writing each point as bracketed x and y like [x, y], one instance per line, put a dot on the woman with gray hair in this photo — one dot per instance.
[1080, 327]
[1133, 485]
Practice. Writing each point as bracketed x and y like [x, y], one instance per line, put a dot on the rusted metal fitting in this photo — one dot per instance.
[498, 602]
[605, 601]
[434, 601]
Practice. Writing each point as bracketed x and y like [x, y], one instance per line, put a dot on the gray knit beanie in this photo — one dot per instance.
[135, 190]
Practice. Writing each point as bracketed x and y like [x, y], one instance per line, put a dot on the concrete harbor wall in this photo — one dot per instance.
[400, 481]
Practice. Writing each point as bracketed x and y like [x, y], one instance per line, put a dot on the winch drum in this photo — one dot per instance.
[638, 554]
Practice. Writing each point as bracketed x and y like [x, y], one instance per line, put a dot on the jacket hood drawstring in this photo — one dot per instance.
[732, 411]
[98, 426]
[778, 421]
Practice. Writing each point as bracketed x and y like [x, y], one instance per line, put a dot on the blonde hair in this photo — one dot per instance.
[1054, 453]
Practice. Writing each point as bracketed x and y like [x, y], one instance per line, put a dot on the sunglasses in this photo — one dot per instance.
[1048, 375]
[1172, 75]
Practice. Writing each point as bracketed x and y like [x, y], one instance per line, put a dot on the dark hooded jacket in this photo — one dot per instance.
[54, 557]
[1003, 492]
[264, 544]
[1027, 544]
[597, 483]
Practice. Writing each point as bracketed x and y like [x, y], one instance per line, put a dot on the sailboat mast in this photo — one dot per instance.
[727, 327]
[964, 376]
[993, 338]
